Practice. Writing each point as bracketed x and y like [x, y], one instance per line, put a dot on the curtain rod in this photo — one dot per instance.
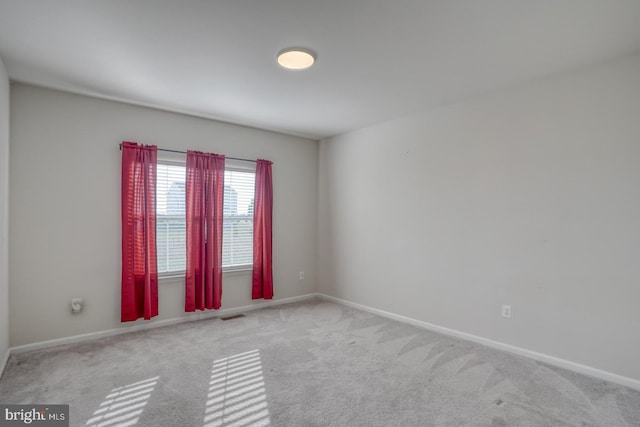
[184, 152]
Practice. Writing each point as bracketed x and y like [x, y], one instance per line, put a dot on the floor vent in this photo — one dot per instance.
[233, 316]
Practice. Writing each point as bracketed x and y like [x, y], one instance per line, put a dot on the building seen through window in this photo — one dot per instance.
[237, 234]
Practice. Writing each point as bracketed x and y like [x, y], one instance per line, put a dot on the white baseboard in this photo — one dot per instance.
[3, 362]
[551, 360]
[541, 357]
[155, 324]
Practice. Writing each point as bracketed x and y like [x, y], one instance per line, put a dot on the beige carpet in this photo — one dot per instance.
[307, 364]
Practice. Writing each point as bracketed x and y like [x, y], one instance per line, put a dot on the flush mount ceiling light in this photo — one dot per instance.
[296, 58]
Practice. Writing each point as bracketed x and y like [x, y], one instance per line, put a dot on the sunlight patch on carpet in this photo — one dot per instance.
[123, 406]
[237, 395]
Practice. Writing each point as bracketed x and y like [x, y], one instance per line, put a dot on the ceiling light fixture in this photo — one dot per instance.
[296, 58]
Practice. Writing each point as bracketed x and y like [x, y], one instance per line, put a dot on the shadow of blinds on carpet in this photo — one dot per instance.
[237, 393]
[124, 405]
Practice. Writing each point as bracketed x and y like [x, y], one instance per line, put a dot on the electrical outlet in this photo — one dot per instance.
[76, 305]
[301, 275]
[506, 311]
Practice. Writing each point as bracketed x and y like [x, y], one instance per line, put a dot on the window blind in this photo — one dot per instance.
[237, 234]
[171, 231]
[237, 229]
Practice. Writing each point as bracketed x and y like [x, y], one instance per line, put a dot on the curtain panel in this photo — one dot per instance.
[262, 279]
[139, 296]
[204, 199]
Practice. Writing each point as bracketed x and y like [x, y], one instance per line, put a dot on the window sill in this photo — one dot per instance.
[171, 277]
[237, 270]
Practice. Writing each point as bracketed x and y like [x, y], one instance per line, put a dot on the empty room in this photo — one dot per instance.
[320, 213]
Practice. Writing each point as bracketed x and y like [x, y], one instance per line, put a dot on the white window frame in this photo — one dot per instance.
[177, 273]
[230, 165]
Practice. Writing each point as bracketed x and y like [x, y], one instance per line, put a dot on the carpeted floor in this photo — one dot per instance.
[313, 363]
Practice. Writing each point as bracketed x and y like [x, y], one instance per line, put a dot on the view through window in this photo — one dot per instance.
[237, 234]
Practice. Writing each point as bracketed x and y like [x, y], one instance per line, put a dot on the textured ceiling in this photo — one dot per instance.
[377, 59]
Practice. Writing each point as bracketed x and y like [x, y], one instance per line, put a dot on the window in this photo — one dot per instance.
[237, 226]
[237, 229]
[171, 229]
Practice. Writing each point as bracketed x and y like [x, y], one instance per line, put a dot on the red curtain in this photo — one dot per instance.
[205, 194]
[262, 283]
[139, 271]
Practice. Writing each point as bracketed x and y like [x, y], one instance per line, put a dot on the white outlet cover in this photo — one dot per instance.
[76, 305]
[506, 311]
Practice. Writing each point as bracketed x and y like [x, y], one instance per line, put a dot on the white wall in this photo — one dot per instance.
[65, 208]
[4, 215]
[528, 197]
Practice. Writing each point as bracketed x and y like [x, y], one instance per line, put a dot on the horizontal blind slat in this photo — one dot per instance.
[237, 237]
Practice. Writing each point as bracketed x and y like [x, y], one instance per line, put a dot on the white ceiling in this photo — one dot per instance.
[377, 59]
